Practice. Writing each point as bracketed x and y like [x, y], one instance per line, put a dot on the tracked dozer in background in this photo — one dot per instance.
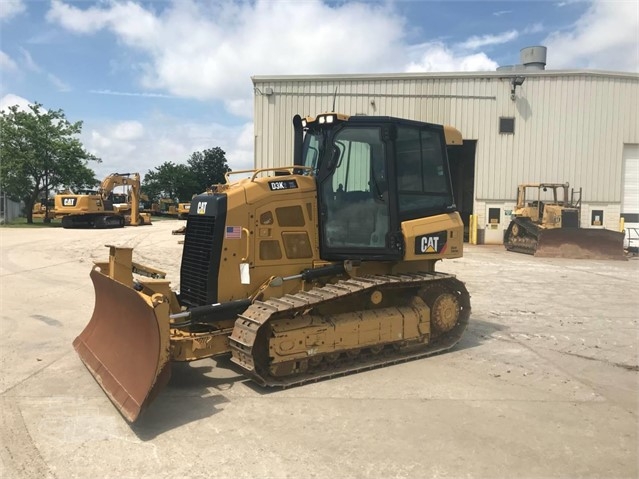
[546, 222]
[104, 208]
[44, 209]
[165, 207]
[300, 273]
[183, 210]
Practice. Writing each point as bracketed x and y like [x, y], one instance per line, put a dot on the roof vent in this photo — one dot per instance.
[533, 58]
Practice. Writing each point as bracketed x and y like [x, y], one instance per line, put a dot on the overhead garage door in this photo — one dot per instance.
[630, 192]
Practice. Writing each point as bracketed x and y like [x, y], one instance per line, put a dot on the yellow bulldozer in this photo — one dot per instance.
[183, 210]
[546, 222]
[165, 207]
[44, 209]
[105, 208]
[300, 273]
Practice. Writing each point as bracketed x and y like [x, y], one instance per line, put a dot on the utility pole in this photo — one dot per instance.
[46, 194]
[46, 181]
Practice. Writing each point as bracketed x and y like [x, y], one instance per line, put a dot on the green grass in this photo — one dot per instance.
[163, 218]
[21, 222]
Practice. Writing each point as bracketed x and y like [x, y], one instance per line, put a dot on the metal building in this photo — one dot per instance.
[521, 124]
[9, 210]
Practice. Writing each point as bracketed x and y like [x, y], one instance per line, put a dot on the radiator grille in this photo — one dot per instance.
[200, 261]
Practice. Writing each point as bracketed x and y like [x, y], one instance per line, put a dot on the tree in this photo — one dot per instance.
[209, 167]
[39, 152]
[170, 181]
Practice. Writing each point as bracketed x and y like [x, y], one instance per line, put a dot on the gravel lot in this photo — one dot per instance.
[544, 383]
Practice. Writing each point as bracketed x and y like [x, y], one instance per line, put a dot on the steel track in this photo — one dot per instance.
[250, 335]
[526, 243]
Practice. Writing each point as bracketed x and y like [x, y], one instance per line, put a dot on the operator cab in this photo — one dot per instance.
[372, 174]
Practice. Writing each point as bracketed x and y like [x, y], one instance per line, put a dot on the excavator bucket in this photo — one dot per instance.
[580, 243]
[125, 346]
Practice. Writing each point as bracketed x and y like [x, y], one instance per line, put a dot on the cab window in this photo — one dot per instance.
[355, 193]
[422, 176]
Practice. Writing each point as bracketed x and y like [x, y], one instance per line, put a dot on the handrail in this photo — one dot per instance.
[248, 244]
[261, 170]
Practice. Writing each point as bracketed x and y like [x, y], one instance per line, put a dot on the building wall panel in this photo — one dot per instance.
[569, 126]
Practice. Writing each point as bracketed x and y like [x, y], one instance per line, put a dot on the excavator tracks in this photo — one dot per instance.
[430, 300]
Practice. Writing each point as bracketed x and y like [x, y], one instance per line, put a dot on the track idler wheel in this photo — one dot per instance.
[445, 308]
[445, 312]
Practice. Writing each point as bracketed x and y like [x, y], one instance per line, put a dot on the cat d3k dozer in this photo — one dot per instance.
[321, 268]
[546, 222]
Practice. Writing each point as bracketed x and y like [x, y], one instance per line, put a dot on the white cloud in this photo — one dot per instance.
[11, 8]
[28, 61]
[6, 63]
[606, 37]
[57, 83]
[125, 93]
[209, 51]
[566, 3]
[534, 28]
[10, 100]
[98, 142]
[128, 130]
[134, 146]
[475, 42]
[438, 57]
[120, 17]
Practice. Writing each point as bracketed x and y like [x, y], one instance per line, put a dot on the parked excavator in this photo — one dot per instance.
[301, 272]
[104, 208]
[546, 222]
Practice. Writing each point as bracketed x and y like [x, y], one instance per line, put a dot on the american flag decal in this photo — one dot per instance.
[233, 232]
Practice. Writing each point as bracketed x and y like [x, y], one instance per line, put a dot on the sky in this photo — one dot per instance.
[154, 81]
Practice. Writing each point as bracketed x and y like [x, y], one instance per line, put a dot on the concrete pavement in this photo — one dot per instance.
[543, 384]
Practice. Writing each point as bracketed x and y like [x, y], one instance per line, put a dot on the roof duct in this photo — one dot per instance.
[533, 58]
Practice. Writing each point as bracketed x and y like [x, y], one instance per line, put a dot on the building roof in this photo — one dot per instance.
[446, 75]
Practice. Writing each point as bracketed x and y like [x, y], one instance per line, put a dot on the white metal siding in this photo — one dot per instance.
[630, 197]
[569, 126]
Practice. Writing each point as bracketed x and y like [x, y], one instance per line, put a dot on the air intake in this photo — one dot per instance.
[533, 58]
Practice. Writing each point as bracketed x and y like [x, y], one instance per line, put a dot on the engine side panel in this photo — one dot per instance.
[434, 238]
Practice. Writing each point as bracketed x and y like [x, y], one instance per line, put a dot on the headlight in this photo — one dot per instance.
[322, 120]
[330, 118]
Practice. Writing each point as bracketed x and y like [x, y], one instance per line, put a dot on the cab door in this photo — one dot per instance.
[355, 212]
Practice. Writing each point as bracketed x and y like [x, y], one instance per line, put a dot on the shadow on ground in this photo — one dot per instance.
[196, 390]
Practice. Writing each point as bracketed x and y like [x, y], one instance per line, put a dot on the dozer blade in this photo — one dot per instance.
[125, 346]
[580, 243]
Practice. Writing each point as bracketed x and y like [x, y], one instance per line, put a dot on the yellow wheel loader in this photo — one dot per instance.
[546, 222]
[300, 273]
[104, 208]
